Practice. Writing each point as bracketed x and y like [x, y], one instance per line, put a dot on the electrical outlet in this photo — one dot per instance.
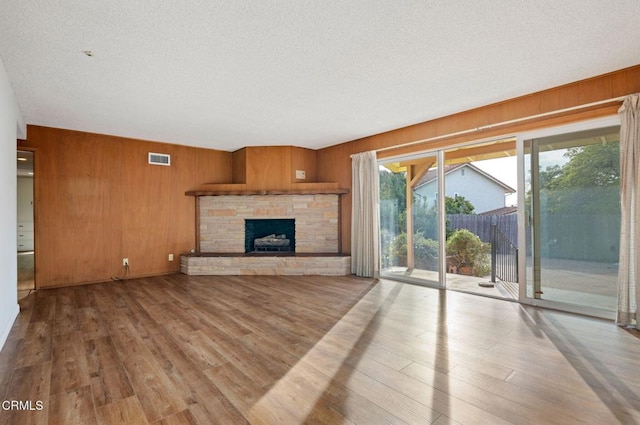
[170, 257]
[301, 174]
[125, 262]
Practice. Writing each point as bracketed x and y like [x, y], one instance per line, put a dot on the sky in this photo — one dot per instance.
[506, 169]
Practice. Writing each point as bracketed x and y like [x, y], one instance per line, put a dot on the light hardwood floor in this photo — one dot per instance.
[293, 350]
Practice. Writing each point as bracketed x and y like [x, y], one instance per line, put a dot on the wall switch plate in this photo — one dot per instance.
[125, 262]
[170, 257]
[301, 175]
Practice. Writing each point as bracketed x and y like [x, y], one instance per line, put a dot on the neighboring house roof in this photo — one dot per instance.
[501, 211]
[432, 175]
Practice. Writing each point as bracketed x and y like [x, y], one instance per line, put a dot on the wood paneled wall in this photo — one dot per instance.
[306, 160]
[334, 163]
[273, 167]
[268, 167]
[239, 166]
[97, 200]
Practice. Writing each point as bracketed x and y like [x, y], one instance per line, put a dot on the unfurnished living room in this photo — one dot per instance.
[305, 212]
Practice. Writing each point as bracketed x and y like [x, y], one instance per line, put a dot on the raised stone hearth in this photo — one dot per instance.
[310, 264]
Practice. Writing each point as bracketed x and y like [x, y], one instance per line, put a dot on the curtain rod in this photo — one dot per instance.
[499, 124]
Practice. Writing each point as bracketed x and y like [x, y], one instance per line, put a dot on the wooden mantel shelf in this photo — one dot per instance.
[242, 189]
[267, 192]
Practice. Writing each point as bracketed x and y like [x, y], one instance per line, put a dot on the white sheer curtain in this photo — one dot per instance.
[628, 288]
[365, 215]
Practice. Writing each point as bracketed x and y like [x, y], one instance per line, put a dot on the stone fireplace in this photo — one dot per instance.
[227, 232]
[222, 220]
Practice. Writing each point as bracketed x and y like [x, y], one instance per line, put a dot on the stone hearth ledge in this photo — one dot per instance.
[265, 264]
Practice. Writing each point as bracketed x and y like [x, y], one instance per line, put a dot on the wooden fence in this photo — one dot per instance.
[481, 225]
[582, 237]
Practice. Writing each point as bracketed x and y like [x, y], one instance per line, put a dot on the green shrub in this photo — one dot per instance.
[465, 249]
[483, 266]
[425, 252]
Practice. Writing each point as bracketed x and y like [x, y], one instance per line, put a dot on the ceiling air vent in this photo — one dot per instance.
[159, 159]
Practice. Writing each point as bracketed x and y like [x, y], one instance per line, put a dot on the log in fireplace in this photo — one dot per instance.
[270, 235]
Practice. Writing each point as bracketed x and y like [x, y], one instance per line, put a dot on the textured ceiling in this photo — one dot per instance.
[228, 74]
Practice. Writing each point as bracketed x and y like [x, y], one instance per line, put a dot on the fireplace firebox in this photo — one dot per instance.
[270, 235]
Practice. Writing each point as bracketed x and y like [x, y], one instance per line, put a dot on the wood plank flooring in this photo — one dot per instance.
[313, 350]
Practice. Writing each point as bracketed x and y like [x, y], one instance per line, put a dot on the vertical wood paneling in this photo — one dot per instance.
[334, 164]
[240, 166]
[77, 187]
[304, 159]
[273, 167]
[212, 166]
[268, 167]
[162, 220]
[98, 200]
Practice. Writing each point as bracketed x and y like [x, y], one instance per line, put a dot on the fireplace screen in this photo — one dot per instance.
[270, 235]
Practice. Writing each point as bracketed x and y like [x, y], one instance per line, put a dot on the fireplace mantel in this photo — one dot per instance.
[241, 189]
[245, 192]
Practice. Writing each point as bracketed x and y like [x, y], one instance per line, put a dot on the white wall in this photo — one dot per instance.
[11, 127]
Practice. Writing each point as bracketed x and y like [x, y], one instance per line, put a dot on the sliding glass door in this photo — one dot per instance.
[481, 218]
[448, 219]
[534, 217]
[572, 217]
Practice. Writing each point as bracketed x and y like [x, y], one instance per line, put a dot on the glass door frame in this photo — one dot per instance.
[523, 217]
[442, 219]
[441, 195]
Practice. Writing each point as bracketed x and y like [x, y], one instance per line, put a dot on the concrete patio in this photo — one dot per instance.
[576, 282]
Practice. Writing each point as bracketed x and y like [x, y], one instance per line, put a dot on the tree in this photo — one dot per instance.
[425, 218]
[595, 165]
[458, 205]
[393, 202]
[393, 186]
[586, 184]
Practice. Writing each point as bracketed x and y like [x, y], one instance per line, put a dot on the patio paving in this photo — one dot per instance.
[456, 282]
[576, 282]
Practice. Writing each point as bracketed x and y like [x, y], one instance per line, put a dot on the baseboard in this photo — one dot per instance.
[93, 282]
[7, 327]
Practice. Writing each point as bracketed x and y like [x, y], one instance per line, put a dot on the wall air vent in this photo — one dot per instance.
[159, 159]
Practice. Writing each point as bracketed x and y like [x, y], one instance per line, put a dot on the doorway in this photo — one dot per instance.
[410, 237]
[481, 206]
[25, 223]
